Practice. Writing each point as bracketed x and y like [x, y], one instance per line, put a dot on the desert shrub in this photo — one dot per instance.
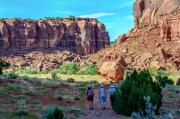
[64, 97]
[149, 110]
[3, 64]
[44, 72]
[22, 109]
[15, 87]
[69, 68]
[129, 96]
[58, 71]
[30, 115]
[11, 75]
[73, 109]
[50, 83]
[54, 75]
[27, 70]
[53, 112]
[88, 69]
[164, 80]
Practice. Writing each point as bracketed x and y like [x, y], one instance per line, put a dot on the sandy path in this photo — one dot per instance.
[98, 113]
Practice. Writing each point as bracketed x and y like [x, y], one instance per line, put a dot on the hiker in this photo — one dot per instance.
[90, 97]
[102, 96]
[112, 91]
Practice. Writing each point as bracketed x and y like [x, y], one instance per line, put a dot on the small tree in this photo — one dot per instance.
[129, 96]
[3, 64]
[164, 80]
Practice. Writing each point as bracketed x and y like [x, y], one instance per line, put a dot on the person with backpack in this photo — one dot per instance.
[102, 96]
[90, 97]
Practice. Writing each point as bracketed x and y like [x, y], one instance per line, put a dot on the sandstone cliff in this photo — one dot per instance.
[155, 40]
[80, 35]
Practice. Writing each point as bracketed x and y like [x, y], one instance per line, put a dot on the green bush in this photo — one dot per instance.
[70, 68]
[44, 72]
[54, 75]
[67, 68]
[164, 80]
[149, 111]
[3, 64]
[88, 69]
[11, 75]
[27, 71]
[129, 96]
[53, 112]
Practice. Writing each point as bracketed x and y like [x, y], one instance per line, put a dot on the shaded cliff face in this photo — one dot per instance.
[155, 40]
[82, 36]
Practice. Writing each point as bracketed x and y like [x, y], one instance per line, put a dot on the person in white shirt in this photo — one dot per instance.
[102, 96]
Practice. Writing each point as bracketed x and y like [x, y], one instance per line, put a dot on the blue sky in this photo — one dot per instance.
[115, 14]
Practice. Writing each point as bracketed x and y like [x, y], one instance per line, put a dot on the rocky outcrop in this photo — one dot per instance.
[121, 39]
[42, 60]
[165, 14]
[113, 69]
[155, 40]
[80, 35]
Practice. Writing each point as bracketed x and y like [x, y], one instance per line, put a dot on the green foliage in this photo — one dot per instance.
[22, 108]
[71, 16]
[164, 80]
[54, 75]
[27, 116]
[27, 71]
[88, 69]
[149, 110]
[53, 112]
[129, 96]
[64, 97]
[74, 68]
[44, 72]
[65, 68]
[3, 64]
[69, 68]
[11, 75]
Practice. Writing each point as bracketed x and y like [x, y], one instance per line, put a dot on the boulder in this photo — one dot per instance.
[113, 70]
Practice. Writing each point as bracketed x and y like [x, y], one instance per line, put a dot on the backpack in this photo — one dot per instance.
[90, 93]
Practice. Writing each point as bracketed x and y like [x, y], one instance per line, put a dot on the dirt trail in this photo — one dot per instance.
[98, 113]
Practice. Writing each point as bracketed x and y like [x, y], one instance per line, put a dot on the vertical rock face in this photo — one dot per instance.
[80, 35]
[163, 13]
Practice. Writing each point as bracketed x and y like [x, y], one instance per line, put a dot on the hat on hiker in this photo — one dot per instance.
[102, 86]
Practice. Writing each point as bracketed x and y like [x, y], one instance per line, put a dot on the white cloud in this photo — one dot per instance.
[98, 15]
[130, 17]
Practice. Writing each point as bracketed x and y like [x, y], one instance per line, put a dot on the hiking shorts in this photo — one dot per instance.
[90, 98]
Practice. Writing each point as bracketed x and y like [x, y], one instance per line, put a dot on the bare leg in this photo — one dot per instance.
[92, 105]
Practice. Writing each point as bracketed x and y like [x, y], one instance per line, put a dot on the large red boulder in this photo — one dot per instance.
[113, 70]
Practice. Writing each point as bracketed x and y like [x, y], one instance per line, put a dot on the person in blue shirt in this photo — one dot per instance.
[112, 91]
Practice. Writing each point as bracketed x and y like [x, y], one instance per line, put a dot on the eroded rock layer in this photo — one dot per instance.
[155, 40]
[80, 35]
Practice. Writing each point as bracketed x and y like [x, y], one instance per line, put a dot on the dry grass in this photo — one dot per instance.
[78, 78]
